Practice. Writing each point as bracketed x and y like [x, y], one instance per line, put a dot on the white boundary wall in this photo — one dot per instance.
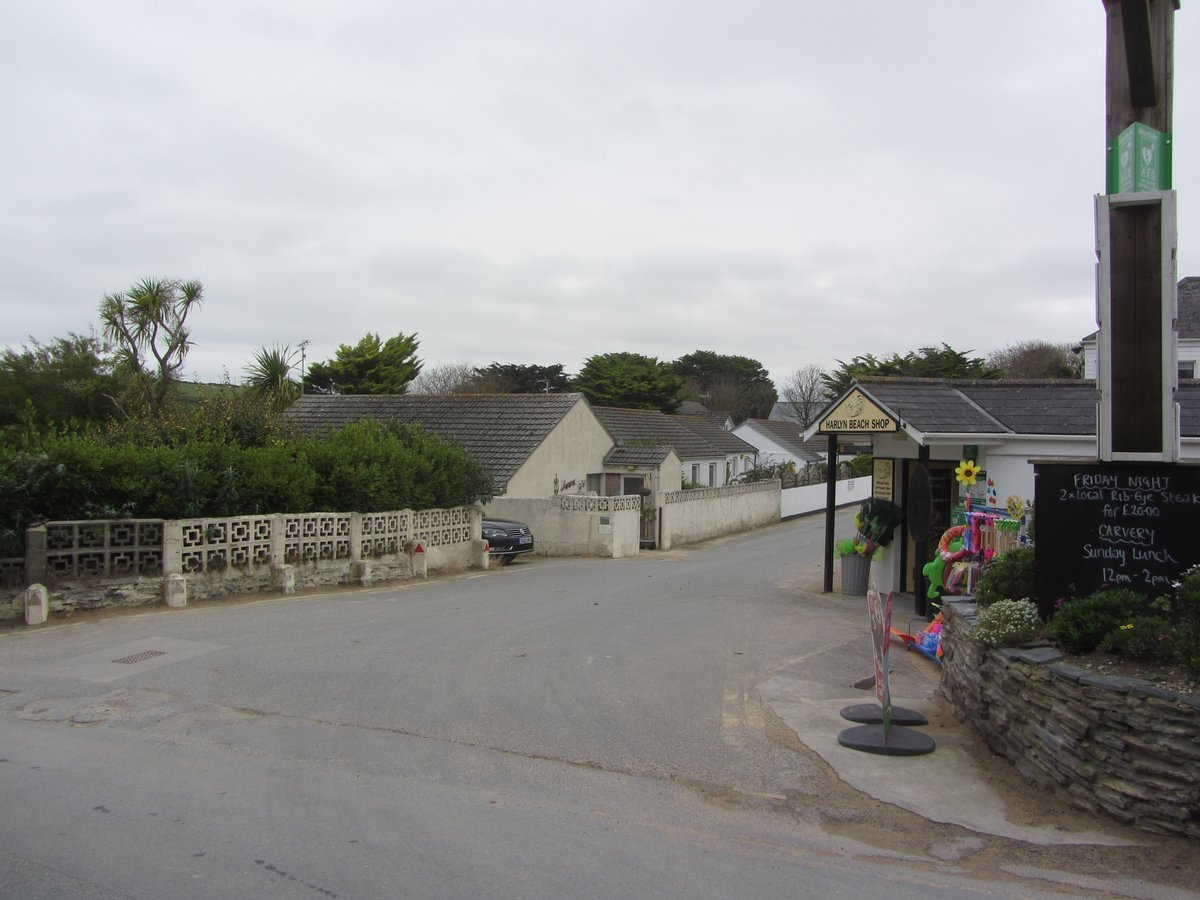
[697, 515]
[799, 501]
[576, 525]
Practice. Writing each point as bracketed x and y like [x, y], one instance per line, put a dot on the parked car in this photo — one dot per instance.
[507, 539]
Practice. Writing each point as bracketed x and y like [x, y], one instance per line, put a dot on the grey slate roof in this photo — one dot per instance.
[782, 411]
[696, 408]
[649, 427]
[938, 406]
[931, 404]
[711, 430]
[1047, 407]
[787, 435]
[1187, 324]
[644, 455]
[499, 430]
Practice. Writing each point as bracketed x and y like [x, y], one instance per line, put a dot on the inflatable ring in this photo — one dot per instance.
[952, 533]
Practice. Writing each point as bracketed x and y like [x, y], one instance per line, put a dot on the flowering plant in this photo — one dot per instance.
[1007, 623]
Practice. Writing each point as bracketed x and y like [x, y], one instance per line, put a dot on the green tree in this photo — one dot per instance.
[629, 381]
[272, 376]
[67, 380]
[147, 325]
[928, 362]
[369, 367]
[1037, 359]
[507, 378]
[738, 384]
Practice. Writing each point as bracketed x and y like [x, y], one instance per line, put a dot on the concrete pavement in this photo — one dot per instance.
[949, 785]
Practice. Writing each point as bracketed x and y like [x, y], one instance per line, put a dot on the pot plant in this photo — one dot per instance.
[874, 522]
[855, 554]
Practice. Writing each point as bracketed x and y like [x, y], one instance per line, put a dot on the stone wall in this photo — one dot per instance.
[1117, 746]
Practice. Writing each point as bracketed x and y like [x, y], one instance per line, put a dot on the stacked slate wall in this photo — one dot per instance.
[1117, 746]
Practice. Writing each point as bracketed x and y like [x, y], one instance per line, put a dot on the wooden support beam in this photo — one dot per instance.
[830, 510]
[1137, 379]
[1140, 67]
[1139, 52]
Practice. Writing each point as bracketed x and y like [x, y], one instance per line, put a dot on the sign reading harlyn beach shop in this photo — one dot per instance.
[856, 414]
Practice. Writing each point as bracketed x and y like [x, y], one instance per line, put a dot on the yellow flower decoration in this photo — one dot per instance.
[967, 472]
[1016, 506]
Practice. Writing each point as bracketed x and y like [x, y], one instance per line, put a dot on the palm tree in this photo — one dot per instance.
[271, 376]
[147, 324]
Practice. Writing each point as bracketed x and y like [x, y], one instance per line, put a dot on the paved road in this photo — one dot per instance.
[557, 728]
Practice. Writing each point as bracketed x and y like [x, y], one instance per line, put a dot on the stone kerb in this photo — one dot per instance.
[1117, 746]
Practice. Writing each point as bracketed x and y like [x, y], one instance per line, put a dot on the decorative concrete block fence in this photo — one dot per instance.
[131, 562]
[1117, 746]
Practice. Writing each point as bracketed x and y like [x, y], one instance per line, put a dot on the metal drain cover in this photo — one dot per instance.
[140, 657]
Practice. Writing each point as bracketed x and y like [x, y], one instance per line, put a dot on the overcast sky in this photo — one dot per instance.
[537, 182]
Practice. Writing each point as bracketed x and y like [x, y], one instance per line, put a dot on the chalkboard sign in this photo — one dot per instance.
[1115, 525]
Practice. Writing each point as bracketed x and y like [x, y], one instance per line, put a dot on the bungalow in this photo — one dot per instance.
[709, 455]
[540, 446]
[778, 442]
[534, 445]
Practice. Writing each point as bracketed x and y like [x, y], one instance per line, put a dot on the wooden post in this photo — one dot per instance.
[921, 546]
[1135, 244]
[830, 511]
[1139, 69]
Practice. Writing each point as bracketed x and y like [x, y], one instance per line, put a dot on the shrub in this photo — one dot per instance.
[1007, 623]
[370, 466]
[1187, 631]
[1084, 622]
[363, 468]
[1147, 638]
[1007, 577]
[862, 466]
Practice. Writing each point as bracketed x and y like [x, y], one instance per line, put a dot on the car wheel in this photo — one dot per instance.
[506, 560]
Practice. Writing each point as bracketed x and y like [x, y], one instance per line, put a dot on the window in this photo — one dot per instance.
[1187, 368]
[695, 473]
[712, 474]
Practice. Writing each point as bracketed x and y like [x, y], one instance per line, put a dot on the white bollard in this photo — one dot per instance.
[284, 578]
[36, 601]
[481, 555]
[175, 591]
[417, 556]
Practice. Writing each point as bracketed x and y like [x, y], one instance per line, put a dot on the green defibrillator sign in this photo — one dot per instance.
[1139, 159]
